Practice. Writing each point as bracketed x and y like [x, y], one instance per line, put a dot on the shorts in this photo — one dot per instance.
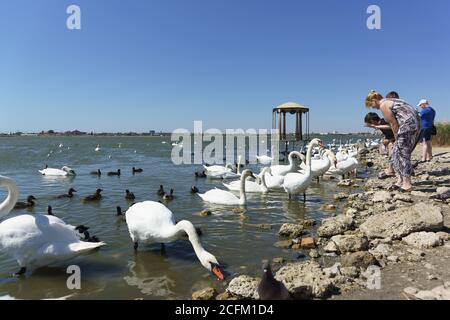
[425, 134]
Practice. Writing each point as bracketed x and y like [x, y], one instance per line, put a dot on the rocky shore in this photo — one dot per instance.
[380, 244]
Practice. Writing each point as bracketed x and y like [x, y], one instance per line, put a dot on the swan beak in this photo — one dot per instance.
[217, 272]
[253, 176]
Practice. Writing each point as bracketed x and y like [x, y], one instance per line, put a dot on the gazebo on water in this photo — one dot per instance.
[301, 128]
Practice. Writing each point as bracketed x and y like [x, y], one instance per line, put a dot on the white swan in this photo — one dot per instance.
[294, 160]
[37, 240]
[295, 183]
[343, 167]
[64, 171]
[251, 186]
[220, 172]
[264, 160]
[219, 196]
[151, 222]
[319, 167]
[97, 148]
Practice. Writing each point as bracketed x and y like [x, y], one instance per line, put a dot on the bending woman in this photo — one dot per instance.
[405, 123]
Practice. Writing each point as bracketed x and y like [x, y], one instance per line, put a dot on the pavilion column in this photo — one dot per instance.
[284, 125]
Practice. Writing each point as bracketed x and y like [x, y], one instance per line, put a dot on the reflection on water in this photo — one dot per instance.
[115, 271]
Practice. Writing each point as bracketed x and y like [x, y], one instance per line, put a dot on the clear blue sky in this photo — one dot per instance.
[161, 64]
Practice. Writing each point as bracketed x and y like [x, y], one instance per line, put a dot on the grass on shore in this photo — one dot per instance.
[443, 134]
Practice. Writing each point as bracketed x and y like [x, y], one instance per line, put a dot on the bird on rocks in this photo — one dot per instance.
[269, 288]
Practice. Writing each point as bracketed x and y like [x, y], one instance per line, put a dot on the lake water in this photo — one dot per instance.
[115, 271]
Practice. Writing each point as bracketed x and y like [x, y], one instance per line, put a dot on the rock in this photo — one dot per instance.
[403, 197]
[331, 247]
[223, 296]
[422, 239]
[305, 280]
[393, 258]
[244, 287]
[238, 210]
[291, 230]
[285, 244]
[444, 236]
[390, 206]
[361, 259]
[442, 190]
[296, 246]
[313, 253]
[345, 183]
[350, 243]
[334, 226]
[278, 260]
[431, 277]
[351, 212]
[205, 213]
[382, 196]
[309, 222]
[425, 295]
[328, 207]
[350, 272]
[340, 196]
[410, 290]
[403, 221]
[243, 217]
[204, 294]
[308, 243]
[381, 250]
[333, 271]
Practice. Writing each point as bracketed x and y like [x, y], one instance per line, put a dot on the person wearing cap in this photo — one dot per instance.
[427, 115]
[405, 123]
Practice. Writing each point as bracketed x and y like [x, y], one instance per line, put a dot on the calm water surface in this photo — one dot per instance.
[114, 271]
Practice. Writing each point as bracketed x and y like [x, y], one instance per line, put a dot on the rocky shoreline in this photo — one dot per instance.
[381, 245]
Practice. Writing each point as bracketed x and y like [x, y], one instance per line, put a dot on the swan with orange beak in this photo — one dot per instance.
[153, 222]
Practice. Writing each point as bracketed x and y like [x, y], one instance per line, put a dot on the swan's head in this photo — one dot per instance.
[316, 142]
[247, 173]
[229, 166]
[210, 262]
[295, 156]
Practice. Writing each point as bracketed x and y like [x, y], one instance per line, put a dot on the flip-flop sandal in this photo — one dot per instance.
[405, 190]
[384, 175]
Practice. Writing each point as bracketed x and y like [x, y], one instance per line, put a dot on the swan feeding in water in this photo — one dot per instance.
[37, 240]
[218, 196]
[97, 148]
[251, 186]
[63, 172]
[296, 183]
[153, 222]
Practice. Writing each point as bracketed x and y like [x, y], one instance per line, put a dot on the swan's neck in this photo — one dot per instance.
[263, 182]
[13, 194]
[242, 197]
[189, 229]
[308, 157]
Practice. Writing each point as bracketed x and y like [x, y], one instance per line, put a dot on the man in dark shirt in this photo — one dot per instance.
[372, 120]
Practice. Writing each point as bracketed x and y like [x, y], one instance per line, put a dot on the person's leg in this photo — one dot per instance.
[430, 150]
[424, 151]
[394, 162]
[410, 139]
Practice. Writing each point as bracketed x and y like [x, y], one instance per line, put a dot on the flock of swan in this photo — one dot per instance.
[37, 240]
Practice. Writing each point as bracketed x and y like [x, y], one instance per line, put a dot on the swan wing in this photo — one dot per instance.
[219, 196]
[149, 221]
[25, 237]
[53, 172]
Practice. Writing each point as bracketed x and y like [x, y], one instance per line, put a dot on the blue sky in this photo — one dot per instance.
[161, 64]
